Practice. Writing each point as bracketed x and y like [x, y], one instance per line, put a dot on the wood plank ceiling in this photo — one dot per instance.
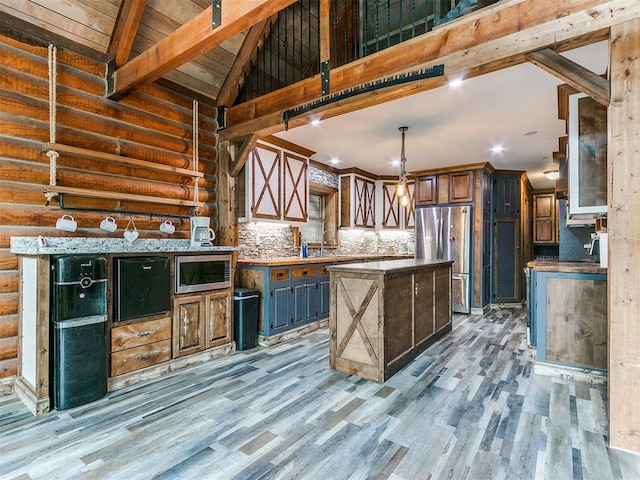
[88, 27]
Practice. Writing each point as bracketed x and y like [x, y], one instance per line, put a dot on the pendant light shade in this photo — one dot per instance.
[401, 188]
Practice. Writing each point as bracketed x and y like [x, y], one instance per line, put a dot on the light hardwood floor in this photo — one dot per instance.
[470, 407]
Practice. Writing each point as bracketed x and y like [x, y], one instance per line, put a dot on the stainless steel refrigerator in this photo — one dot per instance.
[444, 233]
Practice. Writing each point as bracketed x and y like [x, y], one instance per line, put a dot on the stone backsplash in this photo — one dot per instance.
[270, 240]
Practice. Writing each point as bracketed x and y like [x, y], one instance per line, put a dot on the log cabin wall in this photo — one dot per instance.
[153, 124]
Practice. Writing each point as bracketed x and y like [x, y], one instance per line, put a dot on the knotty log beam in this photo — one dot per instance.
[623, 224]
[125, 30]
[487, 40]
[190, 40]
[572, 73]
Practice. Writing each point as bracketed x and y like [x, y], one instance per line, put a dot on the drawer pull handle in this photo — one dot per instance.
[146, 356]
[305, 272]
[144, 334]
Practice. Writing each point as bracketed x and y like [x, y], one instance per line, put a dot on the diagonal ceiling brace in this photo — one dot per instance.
[241, 154]
[576, 75]
[191, 40]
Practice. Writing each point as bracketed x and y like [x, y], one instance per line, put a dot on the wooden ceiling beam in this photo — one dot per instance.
[494, 37]
[125, 30]
[241, 154]
[247, 53]
[190, 40]
[573, 74]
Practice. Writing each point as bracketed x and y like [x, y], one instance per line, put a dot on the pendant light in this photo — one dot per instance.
[401, 187]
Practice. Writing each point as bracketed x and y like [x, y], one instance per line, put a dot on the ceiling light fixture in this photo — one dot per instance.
[401, 187]
[552, 174]
[315, 121]
[455, 82]
[497, 149]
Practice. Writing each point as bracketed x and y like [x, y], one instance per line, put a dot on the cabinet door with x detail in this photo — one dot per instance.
[295, 191]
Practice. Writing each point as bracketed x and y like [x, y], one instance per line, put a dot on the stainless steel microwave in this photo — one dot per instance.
[198, 273]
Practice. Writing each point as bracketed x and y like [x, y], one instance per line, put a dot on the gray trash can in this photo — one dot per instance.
[246, 302]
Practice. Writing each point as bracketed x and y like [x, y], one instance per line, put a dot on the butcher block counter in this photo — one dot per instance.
[383, 314]
[283, 261]
[568, 313]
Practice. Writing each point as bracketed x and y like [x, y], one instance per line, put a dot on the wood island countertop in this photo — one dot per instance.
[406, 265]
[564, 266]
[281, 261]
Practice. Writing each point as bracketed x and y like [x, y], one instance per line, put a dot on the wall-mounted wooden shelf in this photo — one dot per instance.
[111, 158]
[84, 192]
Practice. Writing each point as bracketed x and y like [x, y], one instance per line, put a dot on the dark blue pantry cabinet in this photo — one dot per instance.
[292, 296]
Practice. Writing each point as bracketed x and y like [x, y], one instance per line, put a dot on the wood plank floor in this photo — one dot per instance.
[470, 407]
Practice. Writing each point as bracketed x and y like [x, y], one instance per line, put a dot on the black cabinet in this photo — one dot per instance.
[505, 273]
[506, 260]
[506, 195]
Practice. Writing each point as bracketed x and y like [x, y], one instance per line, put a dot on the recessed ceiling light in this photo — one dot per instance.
[395, 163]
[455, 82]
[335, 161]
[497, 149]
[315, 121]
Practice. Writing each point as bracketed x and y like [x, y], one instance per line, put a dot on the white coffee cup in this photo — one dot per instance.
[66, 223]
[167, 227]
[109, 225]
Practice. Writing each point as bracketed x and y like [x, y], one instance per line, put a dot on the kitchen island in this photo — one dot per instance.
[383, 314]
[568, 314]
[294, 292]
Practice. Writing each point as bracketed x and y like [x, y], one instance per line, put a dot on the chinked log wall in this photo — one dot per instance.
[153, 124]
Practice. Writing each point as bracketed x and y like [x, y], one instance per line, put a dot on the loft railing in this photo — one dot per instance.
[290, 52]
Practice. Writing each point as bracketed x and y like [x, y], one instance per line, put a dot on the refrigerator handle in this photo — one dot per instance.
[439, 244]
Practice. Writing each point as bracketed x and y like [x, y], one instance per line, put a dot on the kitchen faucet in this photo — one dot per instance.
[322, 242]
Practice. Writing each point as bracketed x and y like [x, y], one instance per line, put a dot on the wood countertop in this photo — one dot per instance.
[388, 266]
[565, 266]
[283, 261]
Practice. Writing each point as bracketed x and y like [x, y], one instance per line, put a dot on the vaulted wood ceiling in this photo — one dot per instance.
[173, 42]
[98, 30]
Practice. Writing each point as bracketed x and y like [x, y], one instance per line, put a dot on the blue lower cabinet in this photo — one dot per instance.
[280, 311]
[296, 295]
[323, 297]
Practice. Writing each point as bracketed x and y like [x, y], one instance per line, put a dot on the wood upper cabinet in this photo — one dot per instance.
[587, 155]
[390, 206]
[454, 187]
[545, 218]
[409, 210]
[426, 190]
[357, 201]
[278, 185]
[266, 168]
[461, 187]
[295, 189]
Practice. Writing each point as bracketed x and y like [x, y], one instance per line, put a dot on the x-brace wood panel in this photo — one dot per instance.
[356, 320]
[390, 206]
[266, 179]
[295, 188]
